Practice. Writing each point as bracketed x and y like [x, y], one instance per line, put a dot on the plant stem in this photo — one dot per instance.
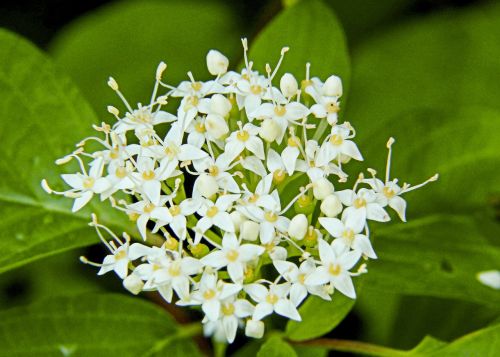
[353, 346]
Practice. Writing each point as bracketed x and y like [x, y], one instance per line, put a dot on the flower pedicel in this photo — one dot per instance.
[240, 181]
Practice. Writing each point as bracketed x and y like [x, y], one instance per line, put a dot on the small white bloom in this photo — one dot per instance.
[336, 260]
[274, 299]
[288, 85]
[233, 256]
[254, 329]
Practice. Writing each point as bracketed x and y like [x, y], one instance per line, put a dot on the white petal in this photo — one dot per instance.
[286, 308]
[250, 251]
[152, 189]
[82, 200]
[224, 222]
[376, 213]
[216, 259]
[326, 253]
[343, 283]
[318, 277]
[256, 291]
[235, 271]
[267, 232]
[255, 145]
[334, 226]
[290, 155]
[349, 148]
[298, 293]
[211, 308]
[190, 152]
[399, 205]
[230, 325]
[262, 310]
[362, 243]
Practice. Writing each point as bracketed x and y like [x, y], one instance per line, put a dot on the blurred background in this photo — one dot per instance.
[92, 39]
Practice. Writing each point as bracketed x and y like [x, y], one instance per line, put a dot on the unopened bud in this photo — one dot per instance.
[199, 250]
[207, 185]
[331, 206]
[217, 63]
[219, 104]
[322, 188]
[298, 227]
[112, 110]
[254, 328]
[288, 85]
[333, 87]
[269, 130]
[133, 284]
[249, 230]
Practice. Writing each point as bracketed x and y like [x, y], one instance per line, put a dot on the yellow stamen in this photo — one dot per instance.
[270, 217]
[148, 175]
[336, 140]
[359, 202]
[88, 182]
[255, 89]
[334, 269]
[242, 135]
[272, 298]
[209, 294]
[228, 309]
[213, 170]
[232, 255]
[174, 210]
[212, 211]
[280, 110]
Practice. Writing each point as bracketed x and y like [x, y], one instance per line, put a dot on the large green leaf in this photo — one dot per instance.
[43, 115]
[444, 59]
[127, 40]
[89, 325]
[313, 34]
[319, 317]
[276, 347]
[436, 256]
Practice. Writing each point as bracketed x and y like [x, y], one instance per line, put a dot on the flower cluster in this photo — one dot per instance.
[240, 184]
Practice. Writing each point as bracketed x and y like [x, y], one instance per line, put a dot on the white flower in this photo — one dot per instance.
[232, 312]
[337, 144]
[210, 292]
[336, 260]
[218, 169]
[149, 177]
[141, 119]
[297, 277]
[215, 214]
[217, 63]
[362, 205]
[274, 299]
[282, 115]
[245, 138]
[233, 256]
[348, 232]
[85, 185]
[117, 261]
[144, 210]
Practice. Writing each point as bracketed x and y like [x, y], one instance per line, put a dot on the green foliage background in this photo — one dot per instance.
[432, 81]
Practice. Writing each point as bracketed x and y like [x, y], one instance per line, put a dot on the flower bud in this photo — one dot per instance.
[322, 188]
[269, 130]
[216, 126]
[311, 238]
[133, 284]
[288, 85]
[254, 328]
[207, 185]
[217, 63]
[237, 219]
[249, 230]
[220, 105]
[298, 227]
[331, 206]
[304, 204]
[199, 250]
[333, 87]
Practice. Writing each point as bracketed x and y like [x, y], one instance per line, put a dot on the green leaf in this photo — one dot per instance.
[87, 325]
[360, 17]
[127, 40]
[436, 256]
[443, 59]
[43, 116]
[460, 144]
[313, 34]
[276, 347]
[485, 342]
[319, 317]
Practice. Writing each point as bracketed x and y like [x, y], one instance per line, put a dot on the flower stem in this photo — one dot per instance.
[353, 346]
